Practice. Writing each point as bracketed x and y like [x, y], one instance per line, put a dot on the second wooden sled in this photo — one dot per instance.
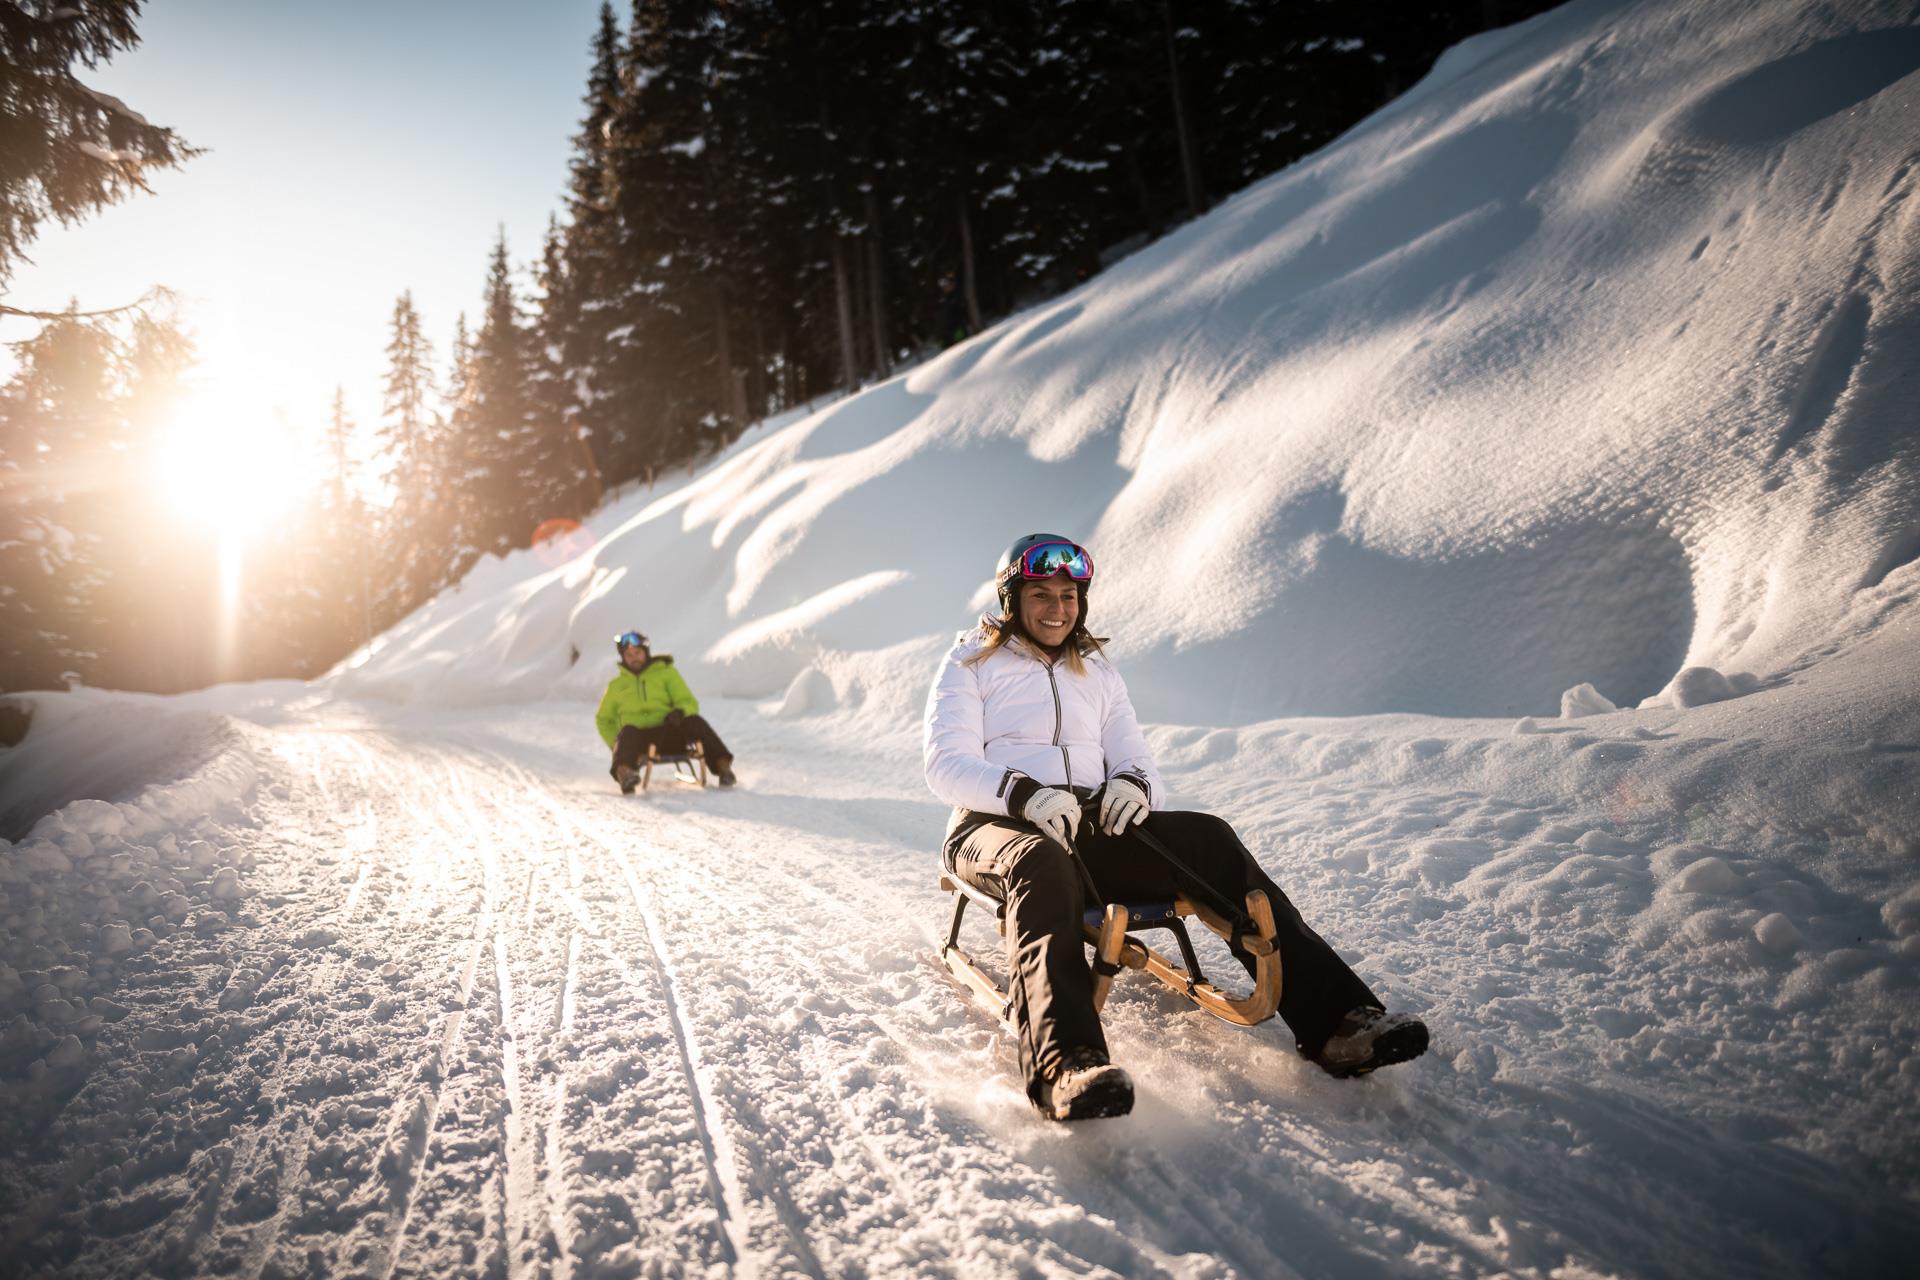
[689, 766]
[1110, 931]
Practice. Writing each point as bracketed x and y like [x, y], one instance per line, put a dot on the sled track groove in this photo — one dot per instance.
[715, 1147]
[416, 1167]
[716, 1151]
[291, 1175]
[554, 1163]
[884, 1171]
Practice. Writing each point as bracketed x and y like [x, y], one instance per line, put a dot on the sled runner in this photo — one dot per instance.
[1110, 931]
[689, 766]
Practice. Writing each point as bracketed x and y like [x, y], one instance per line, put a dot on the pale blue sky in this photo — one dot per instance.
[355, 149]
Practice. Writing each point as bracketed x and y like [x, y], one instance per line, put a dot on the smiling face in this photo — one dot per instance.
[1049, 609]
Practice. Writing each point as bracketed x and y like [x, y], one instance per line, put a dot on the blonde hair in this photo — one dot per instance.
[1080, 645]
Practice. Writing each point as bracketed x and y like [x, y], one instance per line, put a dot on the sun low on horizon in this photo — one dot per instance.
[228, 468]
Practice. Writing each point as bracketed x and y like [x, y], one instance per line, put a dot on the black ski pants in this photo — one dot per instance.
[630, 748]
[1050, 982]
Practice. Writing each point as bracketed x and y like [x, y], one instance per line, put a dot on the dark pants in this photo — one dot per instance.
[672, 739]
[1051, 985]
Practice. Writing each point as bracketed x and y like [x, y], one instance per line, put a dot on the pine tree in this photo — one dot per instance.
[57, 417]
[409, 554]
[583, 323]
[569, 468]
[344, 533]
[69, 149]
[505, 472]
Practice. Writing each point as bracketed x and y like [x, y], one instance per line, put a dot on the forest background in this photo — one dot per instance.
[768, 204]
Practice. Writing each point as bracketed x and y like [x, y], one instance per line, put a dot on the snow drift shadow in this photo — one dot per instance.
[1785, 96]
[1353, 630]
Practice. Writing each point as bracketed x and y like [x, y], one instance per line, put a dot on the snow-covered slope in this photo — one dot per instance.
[1588, 360]
[1579, 378]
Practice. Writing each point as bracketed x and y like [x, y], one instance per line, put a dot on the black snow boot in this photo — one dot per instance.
[1085, 1086]
[723, 771]
[628, 778]
[1369, 1038]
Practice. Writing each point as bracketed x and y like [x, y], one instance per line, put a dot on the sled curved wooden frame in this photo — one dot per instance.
[1111, 934]
[689, 766]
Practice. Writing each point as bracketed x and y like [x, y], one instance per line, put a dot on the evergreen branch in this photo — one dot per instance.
[155, 296]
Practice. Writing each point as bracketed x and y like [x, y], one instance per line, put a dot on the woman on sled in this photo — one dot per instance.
[1031, 736]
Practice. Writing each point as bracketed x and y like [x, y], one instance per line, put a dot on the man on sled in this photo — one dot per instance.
[648, 713]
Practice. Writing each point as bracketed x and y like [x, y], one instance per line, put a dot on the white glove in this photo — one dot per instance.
[1122, 804]
[1056, 812]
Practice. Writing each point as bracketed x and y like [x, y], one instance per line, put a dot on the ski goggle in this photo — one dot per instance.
[1046, 559]
[630, 639]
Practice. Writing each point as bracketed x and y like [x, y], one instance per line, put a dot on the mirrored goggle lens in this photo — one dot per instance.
[632, 638]
[1056, 557]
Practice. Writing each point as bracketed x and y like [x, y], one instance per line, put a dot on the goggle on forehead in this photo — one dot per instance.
[629, 639]
[1050, 558]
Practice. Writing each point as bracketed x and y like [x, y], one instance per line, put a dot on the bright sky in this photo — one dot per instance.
[354, 150]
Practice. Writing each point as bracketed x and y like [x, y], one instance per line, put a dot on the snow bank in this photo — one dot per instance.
[89, 743]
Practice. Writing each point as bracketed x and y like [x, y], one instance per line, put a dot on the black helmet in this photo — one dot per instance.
[1038, 556]
[627, 639]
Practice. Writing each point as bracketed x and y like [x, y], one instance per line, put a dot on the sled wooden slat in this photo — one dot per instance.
[959, 963]
[1109, 940]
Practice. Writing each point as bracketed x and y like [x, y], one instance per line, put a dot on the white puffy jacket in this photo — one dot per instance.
[1014, 715]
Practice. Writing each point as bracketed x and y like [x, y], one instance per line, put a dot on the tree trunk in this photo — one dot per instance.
[723, 344]
[757, 370]
[1189, 165]
[588, 491]
[966, 271]
[876, 291]
[843, 301]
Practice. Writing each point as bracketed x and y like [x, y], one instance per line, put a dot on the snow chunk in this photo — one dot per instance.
[1709, 875]
[1776, 933]
[1697, 686]
[1902, 913]
[1524, 726]
[809, 692]
[67, 1055]
[92, 818]
[1603, 842]
[1584, 700]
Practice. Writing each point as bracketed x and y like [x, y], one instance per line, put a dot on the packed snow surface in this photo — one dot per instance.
[1506, 518]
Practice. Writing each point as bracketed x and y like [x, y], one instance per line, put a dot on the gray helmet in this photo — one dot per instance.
[1039, 556]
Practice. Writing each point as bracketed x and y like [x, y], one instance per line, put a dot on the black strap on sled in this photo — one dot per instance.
[1237, 914]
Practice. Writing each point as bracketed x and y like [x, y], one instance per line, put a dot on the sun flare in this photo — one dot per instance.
[228, 469]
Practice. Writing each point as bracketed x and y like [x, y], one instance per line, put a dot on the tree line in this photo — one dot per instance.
[767, 202]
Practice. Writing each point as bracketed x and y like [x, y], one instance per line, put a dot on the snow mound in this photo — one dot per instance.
[1584, 700]
[810, 693]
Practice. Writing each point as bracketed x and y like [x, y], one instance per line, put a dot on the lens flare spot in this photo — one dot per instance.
[559, 540]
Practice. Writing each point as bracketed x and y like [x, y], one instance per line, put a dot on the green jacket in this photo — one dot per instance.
[642, 698]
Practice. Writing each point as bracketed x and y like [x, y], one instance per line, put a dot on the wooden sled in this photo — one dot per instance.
[1110, 932]
[689, 766]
